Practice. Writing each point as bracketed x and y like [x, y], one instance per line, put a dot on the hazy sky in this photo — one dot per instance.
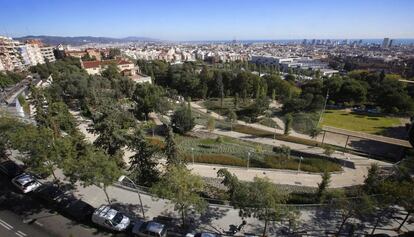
[210, 19]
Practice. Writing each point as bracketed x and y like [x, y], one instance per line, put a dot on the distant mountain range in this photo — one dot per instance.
[81, 40]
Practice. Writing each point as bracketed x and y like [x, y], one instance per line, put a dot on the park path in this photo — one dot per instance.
[348, 177]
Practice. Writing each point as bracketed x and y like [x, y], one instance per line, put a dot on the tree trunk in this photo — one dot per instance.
[405, 219]
[107, 196]
[378, 221]
[342, 225]
[183, 216]
[265, 228]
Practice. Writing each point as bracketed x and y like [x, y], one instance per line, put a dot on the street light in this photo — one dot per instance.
[135, 186]
[248, 159]
[300, 161]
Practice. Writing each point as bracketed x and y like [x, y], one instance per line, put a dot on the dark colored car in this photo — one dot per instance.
[10, 169]
[49, 193]
[76, 208]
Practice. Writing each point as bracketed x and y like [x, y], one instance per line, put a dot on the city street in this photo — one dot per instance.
[11, 225]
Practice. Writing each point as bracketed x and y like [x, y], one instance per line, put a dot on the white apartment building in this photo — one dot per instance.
[1, 66]
[31, 54]
[9, 54]
[47, 53]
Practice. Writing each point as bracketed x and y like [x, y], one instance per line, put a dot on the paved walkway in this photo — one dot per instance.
[348, 177]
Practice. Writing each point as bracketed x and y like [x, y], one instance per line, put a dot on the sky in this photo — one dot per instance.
[210, 19]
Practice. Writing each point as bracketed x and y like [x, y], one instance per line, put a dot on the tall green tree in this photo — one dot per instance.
[288, 123]
[95, 167]
[148, 98]
[323, 185]
[182, 120]
[111, 124]
[232, 117]
[182, 188]
[143, 164]
[171, 150]
[263, 202]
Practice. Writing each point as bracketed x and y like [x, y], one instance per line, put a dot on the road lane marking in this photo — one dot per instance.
[6, 224]
[38, 223]
[18, 234]
[21, 233]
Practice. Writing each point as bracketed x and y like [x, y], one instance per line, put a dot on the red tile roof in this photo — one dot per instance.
[91, 64]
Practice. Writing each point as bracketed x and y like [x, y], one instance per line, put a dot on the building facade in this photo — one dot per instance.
[47, 53]
[9, 54]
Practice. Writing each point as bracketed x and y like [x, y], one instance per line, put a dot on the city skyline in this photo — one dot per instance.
[210, 20]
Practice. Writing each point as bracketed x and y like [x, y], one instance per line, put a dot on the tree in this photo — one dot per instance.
[315, 131]
[236, 101]
[359, 207]
[182, 188]
[211, 124]
[148, 98]
[42, 151]
[323, 185]
[94, 167]
[288, 123]
[114, 52]
[373, 180]
[232, 117]
[405, 193]
[111, 124]
[143, 164]
[171, 150]
[182, 121]
[273, 95]
[263, 202]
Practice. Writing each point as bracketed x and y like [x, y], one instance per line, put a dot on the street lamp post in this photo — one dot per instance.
[139, 195]
[300, 161]
[248, 159]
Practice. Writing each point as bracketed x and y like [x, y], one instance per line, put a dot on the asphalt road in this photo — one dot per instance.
[21, 215]
[11, 225]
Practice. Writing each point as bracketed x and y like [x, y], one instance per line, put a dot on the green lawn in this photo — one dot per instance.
[368, 123]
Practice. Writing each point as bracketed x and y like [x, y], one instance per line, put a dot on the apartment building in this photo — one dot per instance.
[47, 53]
[9, 54]
[1, 66]
[31, 53]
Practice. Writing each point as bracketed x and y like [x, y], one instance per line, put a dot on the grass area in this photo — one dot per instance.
[262, 133]
[367, 123]
[233, 152]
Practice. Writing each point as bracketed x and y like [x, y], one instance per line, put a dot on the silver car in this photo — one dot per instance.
[110, 218]
[26, 183]
[149, 229]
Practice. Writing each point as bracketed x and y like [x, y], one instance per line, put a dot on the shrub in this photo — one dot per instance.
[219, 159]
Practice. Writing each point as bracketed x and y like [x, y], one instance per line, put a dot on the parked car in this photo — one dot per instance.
[75, 208]
[203, 234]
[26, 183]
[49, 193]
[10, 169]
[110, 218]
[149, 229]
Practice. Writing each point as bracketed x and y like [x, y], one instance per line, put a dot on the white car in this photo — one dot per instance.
[26, 183]
[110, 218]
